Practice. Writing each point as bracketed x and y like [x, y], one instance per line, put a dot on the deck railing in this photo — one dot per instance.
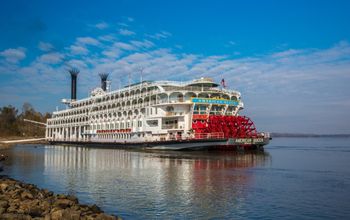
[214, 135]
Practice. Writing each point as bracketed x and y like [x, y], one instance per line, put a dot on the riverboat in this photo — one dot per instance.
[167, 115]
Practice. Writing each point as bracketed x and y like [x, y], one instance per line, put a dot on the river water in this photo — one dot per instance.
[296, 178]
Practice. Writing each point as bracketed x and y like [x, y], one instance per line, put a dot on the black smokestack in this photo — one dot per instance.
[74, 74]
[104, 77]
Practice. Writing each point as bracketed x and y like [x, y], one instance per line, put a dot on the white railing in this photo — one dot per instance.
[213, 135]
[169, 127]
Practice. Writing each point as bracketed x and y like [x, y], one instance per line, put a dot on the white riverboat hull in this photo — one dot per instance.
[213, 144]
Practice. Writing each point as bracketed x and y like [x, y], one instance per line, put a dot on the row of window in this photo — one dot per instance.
[89, 102]
[116, 95]
[73, 112]
[149, 112]
[121, 125]
[114, 136]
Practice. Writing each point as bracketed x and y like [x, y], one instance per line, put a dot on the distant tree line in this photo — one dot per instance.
[12, 123]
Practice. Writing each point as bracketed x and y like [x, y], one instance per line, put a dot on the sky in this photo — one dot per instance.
[289, 59]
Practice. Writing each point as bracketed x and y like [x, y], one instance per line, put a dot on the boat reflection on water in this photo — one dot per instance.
[104, 158]
[146, 184]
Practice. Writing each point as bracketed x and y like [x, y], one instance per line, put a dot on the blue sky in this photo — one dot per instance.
[290, 59]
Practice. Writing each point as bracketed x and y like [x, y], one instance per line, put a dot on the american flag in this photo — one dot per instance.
[223, 83]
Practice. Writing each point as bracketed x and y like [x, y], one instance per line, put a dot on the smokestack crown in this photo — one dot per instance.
[74, 71]
[104, 77]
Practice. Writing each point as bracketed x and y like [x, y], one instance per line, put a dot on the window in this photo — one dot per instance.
[152, 123]
[169, 108]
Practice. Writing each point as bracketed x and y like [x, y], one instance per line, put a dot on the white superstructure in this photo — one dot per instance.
[142, 112]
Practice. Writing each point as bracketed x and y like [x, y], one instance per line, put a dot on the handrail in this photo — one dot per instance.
[213, 135]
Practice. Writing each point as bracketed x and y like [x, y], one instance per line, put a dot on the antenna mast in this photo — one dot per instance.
[141, 75]
[129, 81]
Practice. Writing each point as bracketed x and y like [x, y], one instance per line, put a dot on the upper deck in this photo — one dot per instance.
[146, 93]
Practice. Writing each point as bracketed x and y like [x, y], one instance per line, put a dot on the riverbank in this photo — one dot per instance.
[26, 201]
[10, 141]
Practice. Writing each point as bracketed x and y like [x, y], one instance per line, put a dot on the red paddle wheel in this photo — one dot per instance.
[230, 126]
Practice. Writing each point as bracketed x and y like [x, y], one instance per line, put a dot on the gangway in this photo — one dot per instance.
[35, 122]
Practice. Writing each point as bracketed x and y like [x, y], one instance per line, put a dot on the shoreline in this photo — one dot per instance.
[19, 200]
[11, 141]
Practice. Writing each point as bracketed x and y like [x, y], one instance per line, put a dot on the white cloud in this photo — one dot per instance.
[232, 43]
[142, 44]
[14, 55]
[286, 53]
[112, 53]
[138, 58]
[51, 58]
[126, 32]
[77, 64]
[178, 46]
[107, 38]
[87, 41]
[130, 19]
[78, 50]
[102, 25]
[160, 35]
[249, 74]
[123, 24]
[123, 46]
[44, 46]
[308, 75]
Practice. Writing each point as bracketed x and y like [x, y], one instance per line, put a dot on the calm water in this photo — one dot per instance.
[296, 178]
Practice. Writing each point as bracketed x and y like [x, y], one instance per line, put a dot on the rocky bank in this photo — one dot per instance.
[26, 201]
